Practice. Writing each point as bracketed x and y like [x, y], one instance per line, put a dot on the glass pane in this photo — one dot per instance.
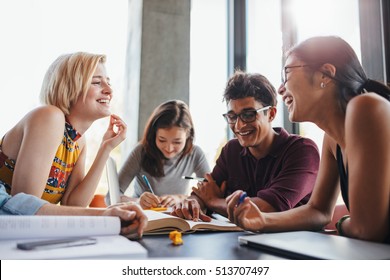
[340, 18]
[208, 74]
[264, 53]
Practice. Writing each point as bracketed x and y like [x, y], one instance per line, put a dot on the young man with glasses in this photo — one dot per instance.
[275, 169]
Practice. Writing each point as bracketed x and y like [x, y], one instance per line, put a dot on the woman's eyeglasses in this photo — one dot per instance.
[246, 116]
[284, 71]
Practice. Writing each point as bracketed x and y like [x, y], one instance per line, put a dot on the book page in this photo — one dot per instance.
[159, 222]
[214, 225]
[25, 227]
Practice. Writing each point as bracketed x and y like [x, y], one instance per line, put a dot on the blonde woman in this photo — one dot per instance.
[44, 153]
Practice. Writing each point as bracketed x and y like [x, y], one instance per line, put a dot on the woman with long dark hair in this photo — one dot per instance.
[324, 83]
[165, 153]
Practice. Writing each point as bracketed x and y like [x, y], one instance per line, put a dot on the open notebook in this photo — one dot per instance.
[112, 181]
[103, 229]
[316, 245]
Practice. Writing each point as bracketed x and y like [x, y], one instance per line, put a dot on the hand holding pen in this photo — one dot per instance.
[242, 198]
[149, 199]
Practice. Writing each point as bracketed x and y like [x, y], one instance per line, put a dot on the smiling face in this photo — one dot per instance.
[255, 134]
[171, 141]
[97, 101]
[297, 91]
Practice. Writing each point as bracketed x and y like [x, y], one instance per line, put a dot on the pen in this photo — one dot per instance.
[242, 197]
[194, 178]
[147, 183]
[56, 243]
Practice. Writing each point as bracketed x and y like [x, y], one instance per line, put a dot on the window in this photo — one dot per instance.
[208, 74]
[37, 32]
[340, 18]
[311, 21]
[265, 45]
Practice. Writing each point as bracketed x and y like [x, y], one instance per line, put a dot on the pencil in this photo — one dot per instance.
[159, 208]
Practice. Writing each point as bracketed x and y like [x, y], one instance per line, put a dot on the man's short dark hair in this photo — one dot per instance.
[242, 85]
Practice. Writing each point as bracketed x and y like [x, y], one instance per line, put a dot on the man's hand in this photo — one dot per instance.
[189, 209]
[209, 192]
[170, 200]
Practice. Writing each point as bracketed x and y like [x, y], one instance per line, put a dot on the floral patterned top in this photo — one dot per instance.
[63, 163]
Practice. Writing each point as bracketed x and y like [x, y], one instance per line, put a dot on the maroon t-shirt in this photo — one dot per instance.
[284, 178]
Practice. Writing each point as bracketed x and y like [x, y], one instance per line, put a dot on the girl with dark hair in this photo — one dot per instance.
[165, 153]
[323, 82]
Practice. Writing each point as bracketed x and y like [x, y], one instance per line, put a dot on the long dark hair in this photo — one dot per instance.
[350, 75]
[166, 115]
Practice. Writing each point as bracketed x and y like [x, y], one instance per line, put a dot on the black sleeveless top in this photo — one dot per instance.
[344, 182]
[343, 176]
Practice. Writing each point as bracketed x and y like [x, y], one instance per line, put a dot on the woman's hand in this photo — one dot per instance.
[246, 214]
[148, 200]
[133, 220]
[116, 132]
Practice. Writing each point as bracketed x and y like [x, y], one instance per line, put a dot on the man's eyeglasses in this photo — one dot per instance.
[246, 116]
[284, 71]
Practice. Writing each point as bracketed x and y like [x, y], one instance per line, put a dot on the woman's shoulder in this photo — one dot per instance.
[138, 148]
[197, 153]
[48, 113]
[197, 149]
[45, 122]
[135, 153]
[368, 101]
[45, 118]
[368, 105]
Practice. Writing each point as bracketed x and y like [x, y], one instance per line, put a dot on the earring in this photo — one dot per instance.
[322, 85]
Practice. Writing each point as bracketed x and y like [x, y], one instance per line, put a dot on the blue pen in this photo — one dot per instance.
[147, 183]
[242, 197]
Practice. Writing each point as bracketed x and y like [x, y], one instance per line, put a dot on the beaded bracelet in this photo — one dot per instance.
[338, 225]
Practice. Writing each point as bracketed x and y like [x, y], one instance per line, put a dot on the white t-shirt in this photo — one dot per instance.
[172, 182]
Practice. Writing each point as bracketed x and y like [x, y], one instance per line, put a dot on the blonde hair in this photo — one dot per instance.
[68, 78]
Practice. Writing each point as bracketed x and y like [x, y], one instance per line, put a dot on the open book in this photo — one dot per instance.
[103, 230]
[161, 223]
